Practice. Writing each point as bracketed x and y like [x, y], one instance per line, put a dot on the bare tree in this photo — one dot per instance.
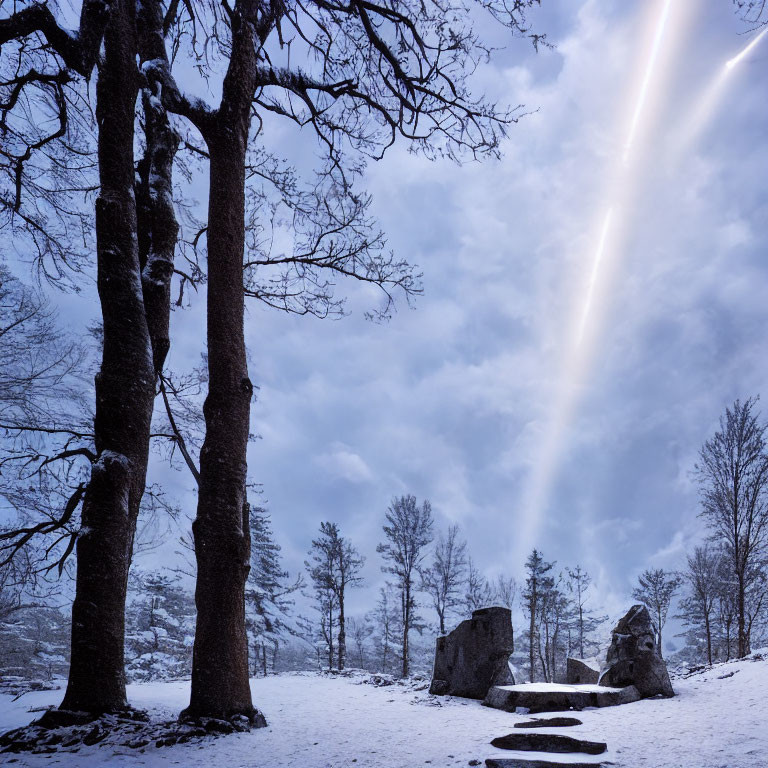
[505, 591]
[444, 578]
[479, 593]
[538, 586]
[586, 622]
[368, 74]
[132, 253]
[386, 617]
[335, 567]
[360, 630]
[733, 480]
[408, 531]
[656, 588]
[698, 607]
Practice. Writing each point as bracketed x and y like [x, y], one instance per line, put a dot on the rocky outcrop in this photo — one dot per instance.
[633, 658]
[581, 672]
[475, 656]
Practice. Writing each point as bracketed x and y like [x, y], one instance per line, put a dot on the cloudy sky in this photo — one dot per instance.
[534, 398]
[592, 302]
[554, 383]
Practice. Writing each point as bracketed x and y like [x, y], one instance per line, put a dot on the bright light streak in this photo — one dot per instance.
[595, 274]
[736, 59]
[623, 176]
[658, 37]
[700, 115]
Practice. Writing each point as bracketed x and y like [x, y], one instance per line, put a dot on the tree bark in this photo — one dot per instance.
[220, 685]
[742, 640]
[532, 630]
[406, 626]
[124, 394]
[342, 632]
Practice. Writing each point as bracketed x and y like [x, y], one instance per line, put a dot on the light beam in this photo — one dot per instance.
[623, 178]
[731, 63]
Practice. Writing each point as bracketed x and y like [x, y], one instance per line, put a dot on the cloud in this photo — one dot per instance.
[343, 463]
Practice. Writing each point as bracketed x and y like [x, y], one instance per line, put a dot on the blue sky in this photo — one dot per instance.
[487, 397]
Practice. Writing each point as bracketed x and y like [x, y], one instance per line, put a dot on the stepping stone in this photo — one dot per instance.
[548, 742]
[518, 762]
[550, 722]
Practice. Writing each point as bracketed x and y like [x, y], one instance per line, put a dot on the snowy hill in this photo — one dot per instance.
[717, 720]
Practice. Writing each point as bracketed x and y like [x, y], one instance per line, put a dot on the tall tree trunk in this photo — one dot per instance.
[406, 627]
[220, 685]
[532, 630]
[742, 639]
[658, 636]
[708, 629]
[158, 229]
[124, 394]
[342, 632]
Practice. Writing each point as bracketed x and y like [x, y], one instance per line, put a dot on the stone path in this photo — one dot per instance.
[545, 744]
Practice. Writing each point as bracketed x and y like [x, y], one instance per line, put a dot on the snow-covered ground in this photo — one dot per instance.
[719, 719]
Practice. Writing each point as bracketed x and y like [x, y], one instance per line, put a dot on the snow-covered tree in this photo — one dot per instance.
[269, 619]
[160, 622]
[655, 590]
[538, 584]
[733, 480]
[586, 622]
[443, 579]
[409, 532]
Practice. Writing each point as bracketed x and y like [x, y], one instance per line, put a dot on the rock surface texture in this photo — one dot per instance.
[557, 698]
[475, 656]
[548, 742]
[517, 762]
[580, 671]
[633, 658]
[549, 722]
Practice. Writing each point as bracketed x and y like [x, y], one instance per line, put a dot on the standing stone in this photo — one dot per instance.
[475, 656]
[634, 659]
[581, 672]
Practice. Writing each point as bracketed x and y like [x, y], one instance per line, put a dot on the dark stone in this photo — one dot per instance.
[634, 659]
[521, 762]
[214, 725]
[475, 656]
[549, 722]
[95, 735]
[557, 699]
[578, 672]
[548, 742]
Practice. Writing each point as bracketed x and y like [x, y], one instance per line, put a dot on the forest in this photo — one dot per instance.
[203, 203]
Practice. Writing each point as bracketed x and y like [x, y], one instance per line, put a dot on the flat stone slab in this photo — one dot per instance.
[550, 722]
[550, 697]
[548, 742]
[521, 762]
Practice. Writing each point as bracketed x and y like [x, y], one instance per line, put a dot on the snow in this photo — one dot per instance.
[558, 688]
[717, 720]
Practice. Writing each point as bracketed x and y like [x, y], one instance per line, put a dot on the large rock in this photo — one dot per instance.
[475, 656]
[634, 659]
[581, 672]
[551, 697]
